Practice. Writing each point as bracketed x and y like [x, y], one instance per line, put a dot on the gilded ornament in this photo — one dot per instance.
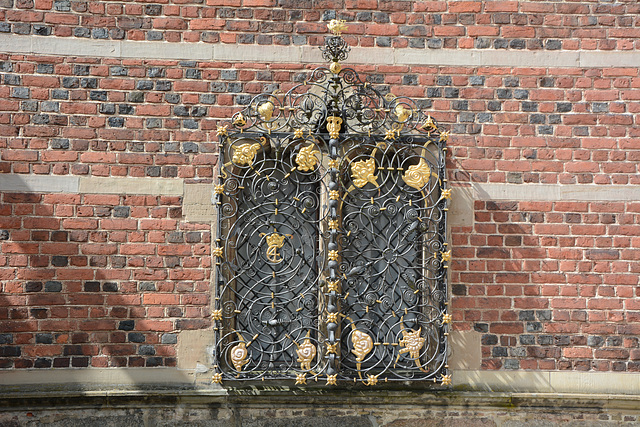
[217, 252]
[332, 317]
[333, 126]
[216, 378]
[446, 380]
[446, 256]
[333, 255]
[244, 154]
[429, 125]
[306, 352]
[238, 354]
[362, 345]
[362, 172]
[337, 26]
[239, 120]
[333, 286]
[335, 67]
[222, 131]
[265, 110]
[446, 318]
[332, 379]
[217, 315]
[390, 134]
[402, 113]
[274, 242]
[301, 378]
[372, 380]
[412, 343]
[334, 194]
[446, 194]
[333, 224]
[298, 133]
[418, 175]
[334, 163]
[444, 136]
[306, 158]
[332, 348]
[218, 189]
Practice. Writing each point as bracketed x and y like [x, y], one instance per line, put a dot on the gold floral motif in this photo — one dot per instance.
[218, 189]
[417, 175]
[298, 133]
[332, 317]
[402, 113]
[332, 348]
[446, 194]
[222, 131]
[244, 154]
[446, 318]
[333, 255]
[372, 380]
[266, 110]
[412, 343]
[446, 380]
[216, 378]
[217, 252]
[301, 378]
[306, 352]
[334, 194]
[217, 315]
[334, 224]
[334, 163]
[337, 26]
[332, 379]
[306, 158]
[362, 345]
[362, 172]
[446, 256]
[238, 354]
[444, 136]
[333, 126]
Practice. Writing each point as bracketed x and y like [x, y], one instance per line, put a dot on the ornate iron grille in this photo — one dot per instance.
[331, 250]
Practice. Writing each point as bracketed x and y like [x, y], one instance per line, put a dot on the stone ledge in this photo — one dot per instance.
[12, 43]
[333, 398]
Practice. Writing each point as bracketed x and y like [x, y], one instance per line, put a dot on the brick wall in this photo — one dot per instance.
[545, 25]
[111, 280]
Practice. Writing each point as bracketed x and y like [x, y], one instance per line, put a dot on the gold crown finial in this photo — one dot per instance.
[337, 26]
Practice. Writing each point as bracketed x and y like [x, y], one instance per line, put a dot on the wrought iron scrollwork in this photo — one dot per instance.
[331, 249]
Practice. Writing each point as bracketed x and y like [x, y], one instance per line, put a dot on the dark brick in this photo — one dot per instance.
[110, 287]
[44, 338]
[135, 337]
[33, 287]
[59, 261]
[52, 286]
[126, 325]
[92, 286]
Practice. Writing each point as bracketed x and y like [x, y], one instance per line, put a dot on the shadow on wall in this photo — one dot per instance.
[57, 310]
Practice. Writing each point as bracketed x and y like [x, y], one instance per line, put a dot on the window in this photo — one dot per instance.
[331, 250]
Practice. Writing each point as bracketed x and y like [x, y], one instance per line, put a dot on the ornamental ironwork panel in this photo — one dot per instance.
[331, 249]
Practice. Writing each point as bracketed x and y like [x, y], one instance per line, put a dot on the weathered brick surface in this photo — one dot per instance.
[106, 117]
[551, 285]
[404, 24]
[99, 280]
